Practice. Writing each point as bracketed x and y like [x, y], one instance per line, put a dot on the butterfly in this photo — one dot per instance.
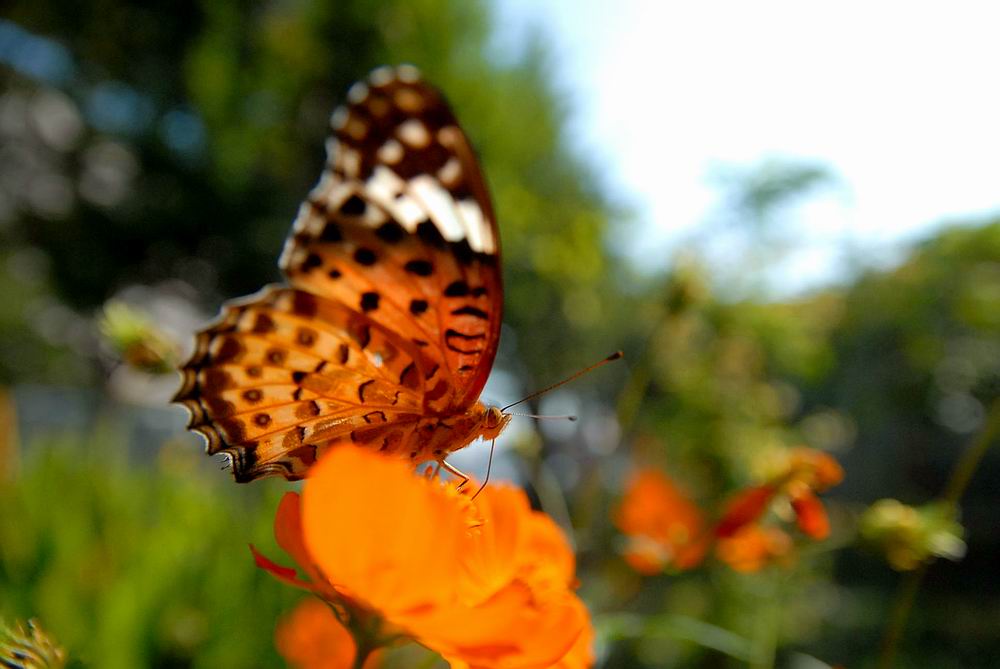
[390, 322]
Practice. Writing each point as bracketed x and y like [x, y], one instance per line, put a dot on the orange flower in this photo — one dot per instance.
[311, 637]
[664, 527]
[484, 582]
[752, 547]
[806, 472]
[581, 655]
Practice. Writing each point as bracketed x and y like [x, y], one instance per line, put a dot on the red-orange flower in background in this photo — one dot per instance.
[804, 473]
[485, 583]
[753, 547]
[664, 527]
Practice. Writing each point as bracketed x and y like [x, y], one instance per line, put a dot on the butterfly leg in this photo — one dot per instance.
[489, 468]
[454, 471]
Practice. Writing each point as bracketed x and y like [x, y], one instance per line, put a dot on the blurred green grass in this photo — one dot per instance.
[134, 565]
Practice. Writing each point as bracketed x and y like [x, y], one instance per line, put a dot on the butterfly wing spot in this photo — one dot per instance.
[419, 267]
[361, 389]
[365, 257]
[410, 378]
[430, 235]
[357, 93]
[361, 333]
[379, 106]
[391, 152]
[408, 100]
[229, 348]
[305, 337]
[262, 419]
[450, 175]
[334, 274]
[414, 134]
[356, 128]
[437, 392]
[263, 324]
[343, 353]
[391, 232]
[338, 119]
[331, 233]
[452, 338]
[253, 395]
[312, 261]
[369, 301]
[457, 289]
[418, 307]
[306, 410]
[381, 76]
[353, 206]
[219, 408]
[215, 380]
[304, 304]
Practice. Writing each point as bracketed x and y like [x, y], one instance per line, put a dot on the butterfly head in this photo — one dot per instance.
[493, 422]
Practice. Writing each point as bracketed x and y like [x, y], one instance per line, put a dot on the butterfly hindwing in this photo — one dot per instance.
[284, 372]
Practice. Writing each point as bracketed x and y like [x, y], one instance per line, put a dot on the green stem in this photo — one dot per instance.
[953, 491]
[966, 467]
[361, 655]
[766, 635]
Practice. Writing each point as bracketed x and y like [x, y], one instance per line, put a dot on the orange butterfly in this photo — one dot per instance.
[389, 327]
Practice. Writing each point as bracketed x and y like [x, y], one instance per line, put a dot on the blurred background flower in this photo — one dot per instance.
[911, 536]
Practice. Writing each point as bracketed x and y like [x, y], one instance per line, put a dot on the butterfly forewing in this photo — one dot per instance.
[401, 228]
[392, 322]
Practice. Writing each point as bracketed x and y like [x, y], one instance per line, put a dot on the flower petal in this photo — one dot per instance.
[547, 559]
[311, 637]
[385, 535]
[810, 515]
[286, 575]
[489, 554]
[510, 631]
[746, 507]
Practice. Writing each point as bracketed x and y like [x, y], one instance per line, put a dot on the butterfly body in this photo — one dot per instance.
[389, 327]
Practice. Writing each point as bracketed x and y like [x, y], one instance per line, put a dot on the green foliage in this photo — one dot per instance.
[138, 565]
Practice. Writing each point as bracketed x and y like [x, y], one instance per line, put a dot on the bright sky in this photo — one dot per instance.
[900, 99]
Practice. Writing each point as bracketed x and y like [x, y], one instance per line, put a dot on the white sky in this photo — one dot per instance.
[901, 100]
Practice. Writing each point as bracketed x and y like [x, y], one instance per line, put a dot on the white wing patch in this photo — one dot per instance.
[414, 171]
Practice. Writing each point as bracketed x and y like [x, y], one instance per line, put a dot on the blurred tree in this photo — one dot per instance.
[917, 352]
[177, 140]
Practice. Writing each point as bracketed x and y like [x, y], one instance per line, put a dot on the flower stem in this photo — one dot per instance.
[957, 483]
[361, 655]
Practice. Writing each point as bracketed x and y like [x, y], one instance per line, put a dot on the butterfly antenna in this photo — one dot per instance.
[611, 358]
[489, 467]
[534, 415]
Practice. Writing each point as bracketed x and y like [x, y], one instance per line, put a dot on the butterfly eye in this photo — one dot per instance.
[492, 417]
